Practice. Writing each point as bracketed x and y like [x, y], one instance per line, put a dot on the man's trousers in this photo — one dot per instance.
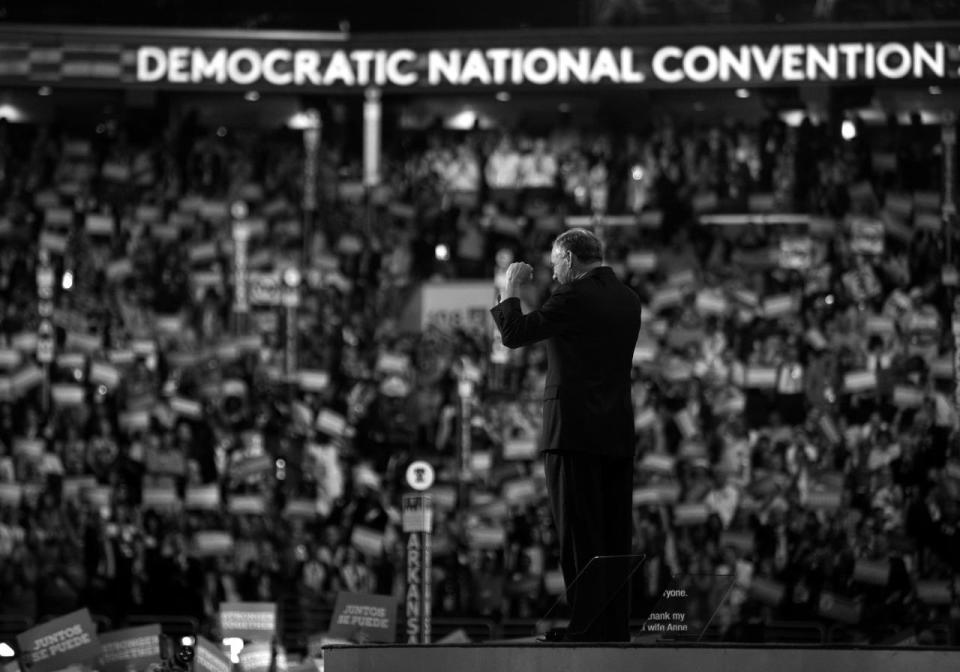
[591, 497]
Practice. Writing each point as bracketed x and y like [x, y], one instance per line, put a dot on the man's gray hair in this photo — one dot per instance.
[585, 245]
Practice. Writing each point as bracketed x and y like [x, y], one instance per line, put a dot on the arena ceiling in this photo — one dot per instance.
[391, 15]
[359, 15]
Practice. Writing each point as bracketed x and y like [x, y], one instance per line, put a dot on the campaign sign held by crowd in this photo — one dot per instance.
[256, 657]
[448, 306]
[256, 621]
[209, 658]
[359, 617]
[62, 642]
[130, 649]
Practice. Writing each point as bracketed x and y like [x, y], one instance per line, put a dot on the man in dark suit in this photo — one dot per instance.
[591, 324]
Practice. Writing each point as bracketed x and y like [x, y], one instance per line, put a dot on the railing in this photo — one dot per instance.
[476, 629]
[919, 634]
[299, 625]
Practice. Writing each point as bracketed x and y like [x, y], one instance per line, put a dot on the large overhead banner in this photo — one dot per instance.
[697, 57]
[701, 64]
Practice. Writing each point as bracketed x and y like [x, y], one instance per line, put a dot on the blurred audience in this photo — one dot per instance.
[793, 382]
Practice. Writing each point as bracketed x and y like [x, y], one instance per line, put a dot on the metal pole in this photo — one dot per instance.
[956, 354]
[372, 115]
[311, 169]
[427, 564]
[499, 353]
[241, 303]
[465, 389]
[949, 212]
[948, 133]
[46, 336]
[291, 303]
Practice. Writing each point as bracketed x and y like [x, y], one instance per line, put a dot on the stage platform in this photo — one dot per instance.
[530, 656]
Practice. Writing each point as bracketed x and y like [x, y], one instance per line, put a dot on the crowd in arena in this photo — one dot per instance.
[793, 380]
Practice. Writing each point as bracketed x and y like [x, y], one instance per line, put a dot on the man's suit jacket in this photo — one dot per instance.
[591, 326]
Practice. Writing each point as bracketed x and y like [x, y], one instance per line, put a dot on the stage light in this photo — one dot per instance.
[67, 280]
[239, 210]
[251, 96]
[793, 118]
[742, 93]
[848, 130]
[503, 96]
[463, 120]
[235, 645]
[442, 252]
[292, 277]
[11, 113]
[302, 121]
[6, 651]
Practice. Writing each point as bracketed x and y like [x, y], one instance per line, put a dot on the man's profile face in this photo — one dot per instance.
[561, 260]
